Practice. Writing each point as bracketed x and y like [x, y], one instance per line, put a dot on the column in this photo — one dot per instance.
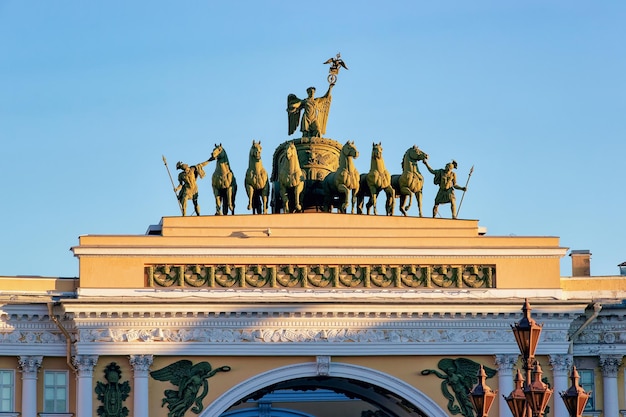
[141, 366]
[30, 366]
[505, 365]
[609, 364]
[84, 365]
[561, 366]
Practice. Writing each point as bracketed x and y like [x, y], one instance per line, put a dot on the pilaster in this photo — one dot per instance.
[84, 377]
[505, 364]
[561, 365]
[609, 364]
[29, 366]
[141, 367]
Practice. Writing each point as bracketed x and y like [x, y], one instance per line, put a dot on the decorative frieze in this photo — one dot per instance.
[321, 276]
[307, 334]
[30, 337]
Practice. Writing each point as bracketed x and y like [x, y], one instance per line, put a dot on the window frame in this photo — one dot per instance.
[11, 409]
[589, 387]
[55, 387]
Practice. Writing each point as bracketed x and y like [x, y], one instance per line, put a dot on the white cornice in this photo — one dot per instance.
[399, 296]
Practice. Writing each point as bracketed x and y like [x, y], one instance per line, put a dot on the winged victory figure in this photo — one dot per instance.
[314, 112]
[461, 375]
[189, 379]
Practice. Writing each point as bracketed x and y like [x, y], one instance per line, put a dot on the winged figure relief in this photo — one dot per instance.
[192, 384]
[460, 375]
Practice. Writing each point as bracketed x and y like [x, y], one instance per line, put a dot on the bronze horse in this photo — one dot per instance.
[410, 181]
[257, 184]
[375, 181]
[291, 180]
[342, 181]
[223, 181]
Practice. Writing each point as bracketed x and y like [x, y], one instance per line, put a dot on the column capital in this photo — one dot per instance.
[561, 363]
[506, 362]
[30, 364]
[141, 364]
[84, 364]
[609, 364]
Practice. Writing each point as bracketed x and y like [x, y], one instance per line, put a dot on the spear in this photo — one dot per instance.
[173, 186]
[467, 182]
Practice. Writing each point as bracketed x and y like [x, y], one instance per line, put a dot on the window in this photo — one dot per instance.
[587, 382]
[7, 376]
[55, 391]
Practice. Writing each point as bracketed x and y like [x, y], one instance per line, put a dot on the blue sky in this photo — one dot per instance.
[532, 94]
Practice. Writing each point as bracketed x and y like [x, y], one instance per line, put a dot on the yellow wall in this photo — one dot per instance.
[119, 261]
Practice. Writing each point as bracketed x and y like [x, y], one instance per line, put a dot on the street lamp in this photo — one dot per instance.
[575, 398]
[536, 393]
[481, 395]
[530, 397]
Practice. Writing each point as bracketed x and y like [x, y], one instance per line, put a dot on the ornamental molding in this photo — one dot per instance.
[316, 252]
[605, 330]
[346, 276]
[250, 335]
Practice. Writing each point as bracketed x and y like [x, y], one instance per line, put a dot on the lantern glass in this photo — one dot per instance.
[517, 399]
[537, 393]
[527, 333]
[481, 395]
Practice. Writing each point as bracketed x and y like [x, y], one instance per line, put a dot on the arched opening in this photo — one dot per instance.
[369, 393]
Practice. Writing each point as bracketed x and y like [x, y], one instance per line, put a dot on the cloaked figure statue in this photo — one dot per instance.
[314, 112]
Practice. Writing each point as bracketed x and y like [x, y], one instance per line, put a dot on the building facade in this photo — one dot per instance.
[304, 315]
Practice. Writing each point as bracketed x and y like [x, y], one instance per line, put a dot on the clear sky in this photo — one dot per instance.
[92, 94]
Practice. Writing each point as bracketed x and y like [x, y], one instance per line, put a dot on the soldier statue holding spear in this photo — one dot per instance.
[446, 179]
[187, 188]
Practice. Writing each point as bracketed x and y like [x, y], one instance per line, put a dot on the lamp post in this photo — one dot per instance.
[536, 393]
[530, 397]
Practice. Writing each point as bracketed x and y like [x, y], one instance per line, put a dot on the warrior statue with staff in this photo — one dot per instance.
[188, 186]
[446, 179]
